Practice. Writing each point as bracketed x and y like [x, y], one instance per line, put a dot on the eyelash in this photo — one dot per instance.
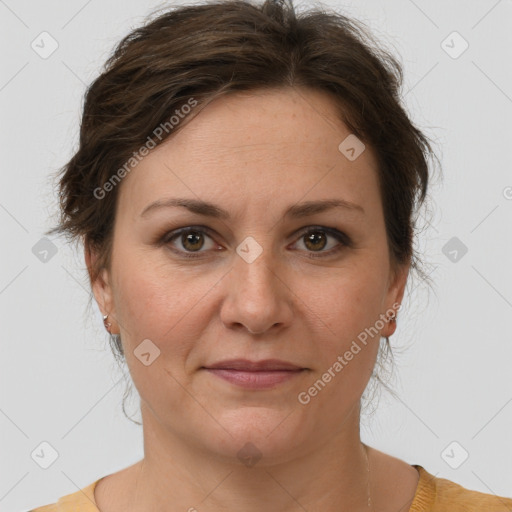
[338, 235]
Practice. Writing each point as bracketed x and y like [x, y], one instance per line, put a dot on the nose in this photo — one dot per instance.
[257, 296]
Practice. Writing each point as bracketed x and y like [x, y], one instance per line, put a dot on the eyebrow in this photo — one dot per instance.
[205, 208]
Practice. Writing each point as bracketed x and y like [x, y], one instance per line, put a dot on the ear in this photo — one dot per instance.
[101, 287]
[398, 280]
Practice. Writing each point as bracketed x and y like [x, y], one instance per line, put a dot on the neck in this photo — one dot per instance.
[179, 474]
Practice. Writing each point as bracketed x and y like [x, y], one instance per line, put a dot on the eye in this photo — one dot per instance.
[191, 241]
[315, 240]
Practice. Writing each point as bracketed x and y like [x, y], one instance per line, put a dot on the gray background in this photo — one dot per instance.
[59, 382]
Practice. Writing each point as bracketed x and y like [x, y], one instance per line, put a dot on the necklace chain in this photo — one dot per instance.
[370, 504]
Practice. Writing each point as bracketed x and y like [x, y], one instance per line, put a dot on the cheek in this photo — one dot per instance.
[341, 306]
[342, 314]
[156, 303]
[160, 302]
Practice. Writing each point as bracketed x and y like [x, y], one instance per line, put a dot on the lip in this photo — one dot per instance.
[255, 379]
[254, 366]
[255, 374]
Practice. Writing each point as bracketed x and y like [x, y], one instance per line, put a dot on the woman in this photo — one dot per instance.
[245, 188]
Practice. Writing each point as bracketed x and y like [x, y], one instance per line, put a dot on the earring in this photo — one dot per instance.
[106, 324]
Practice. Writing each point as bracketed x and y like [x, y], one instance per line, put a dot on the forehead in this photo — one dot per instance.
[259, 148]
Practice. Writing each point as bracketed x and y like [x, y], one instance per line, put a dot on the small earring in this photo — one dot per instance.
[105, 323]
[392, 319]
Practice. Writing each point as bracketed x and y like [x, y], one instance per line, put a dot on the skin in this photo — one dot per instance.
[252, 154]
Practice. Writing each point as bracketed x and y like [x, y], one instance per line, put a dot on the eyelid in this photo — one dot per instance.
[341, 237]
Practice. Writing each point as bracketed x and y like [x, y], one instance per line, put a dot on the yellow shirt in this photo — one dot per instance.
[432, 495]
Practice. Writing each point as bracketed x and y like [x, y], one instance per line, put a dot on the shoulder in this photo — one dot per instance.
[439, 494]
[82, 500]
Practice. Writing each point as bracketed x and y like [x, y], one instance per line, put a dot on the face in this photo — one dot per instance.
[256, 282]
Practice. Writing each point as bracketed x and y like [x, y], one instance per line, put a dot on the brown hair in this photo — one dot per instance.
[219, 47]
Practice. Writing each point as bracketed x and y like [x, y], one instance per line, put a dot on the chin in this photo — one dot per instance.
[257, 435]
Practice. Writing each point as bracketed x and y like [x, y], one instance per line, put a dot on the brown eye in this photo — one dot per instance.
[315, 240]
[189, 242]
[192, 241]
